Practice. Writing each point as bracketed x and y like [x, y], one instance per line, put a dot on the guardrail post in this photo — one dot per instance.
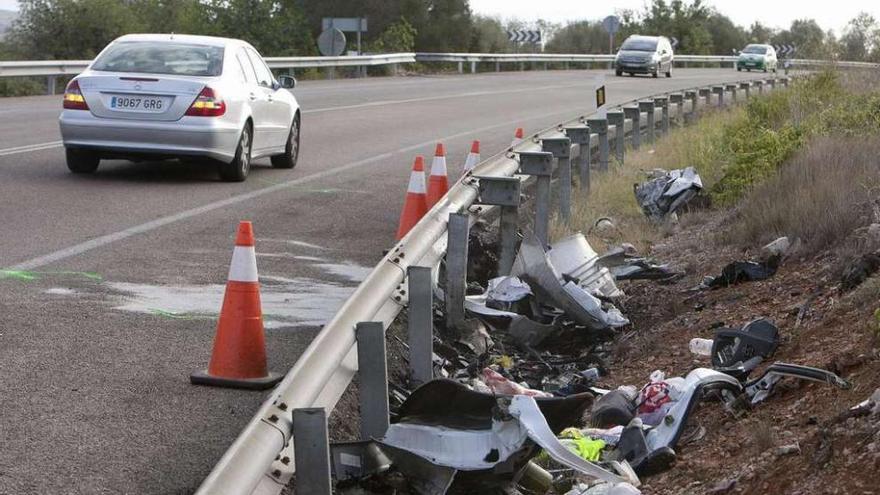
[473, 67]
[600, 127]
[693, 96]
[497, 66]
[732, 89]
[617, 119]
[372, 379]
[581, 137]
[505, 193]
[420, 324]
[662, 102]
[458, 230]
[648, 107]
[634, 114]
[678, 100]
[719, 90]
[539, 164]
[760, 86]
[461, 67]
[50, 84]
[784, 82]
[311, 451]
[707, 94]
[561, 149]
[747, 87]
[772, 83]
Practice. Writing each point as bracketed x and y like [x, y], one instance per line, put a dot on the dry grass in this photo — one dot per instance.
[612, 193]
[820, 196]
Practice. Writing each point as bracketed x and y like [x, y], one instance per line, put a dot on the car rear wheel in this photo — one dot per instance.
[237, 170]
[82, 161]
[618, 73]
[739, 69]
[291, 150]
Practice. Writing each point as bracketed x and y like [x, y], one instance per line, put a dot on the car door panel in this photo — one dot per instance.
[276, 122]
[256, 98]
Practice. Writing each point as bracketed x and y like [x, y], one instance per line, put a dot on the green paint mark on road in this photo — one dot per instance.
[30, 275]
[178, 316]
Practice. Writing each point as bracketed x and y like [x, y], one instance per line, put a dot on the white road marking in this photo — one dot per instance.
[30, 147]
[104, 240]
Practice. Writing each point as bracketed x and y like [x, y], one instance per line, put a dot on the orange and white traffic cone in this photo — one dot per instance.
[239, 356]
[438, 183]
[517, 136]
[473, 158]
[415, 206]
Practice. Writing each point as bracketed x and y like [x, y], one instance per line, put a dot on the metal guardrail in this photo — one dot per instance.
[52, 69]
[319, 378]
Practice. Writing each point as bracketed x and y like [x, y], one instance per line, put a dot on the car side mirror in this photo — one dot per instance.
[287, 82]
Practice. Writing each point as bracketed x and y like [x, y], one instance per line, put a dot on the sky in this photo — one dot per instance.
[775, 13]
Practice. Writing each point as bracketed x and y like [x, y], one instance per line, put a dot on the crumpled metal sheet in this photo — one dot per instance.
[533, 266]
[574, 257]
[625, 265]
[525, 409]
[663, 195]
[507, 289]
[523, 329]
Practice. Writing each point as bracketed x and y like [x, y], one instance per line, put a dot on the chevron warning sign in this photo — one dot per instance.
[524, 36]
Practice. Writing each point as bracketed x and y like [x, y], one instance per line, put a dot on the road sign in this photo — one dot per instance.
[348, 24]
[785, 50]
[601, 99]
[611, 24]
[674, 42]
[331, 43]
[524, 36]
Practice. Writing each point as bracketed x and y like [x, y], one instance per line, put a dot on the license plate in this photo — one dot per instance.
[138, 103]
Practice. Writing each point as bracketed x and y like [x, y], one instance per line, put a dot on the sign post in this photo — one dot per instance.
[612, 25]
[347, 24]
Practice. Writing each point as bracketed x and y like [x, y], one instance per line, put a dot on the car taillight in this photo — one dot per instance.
[207, 104]
[73, 97]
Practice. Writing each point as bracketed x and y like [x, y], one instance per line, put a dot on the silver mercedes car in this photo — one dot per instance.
[165, 96]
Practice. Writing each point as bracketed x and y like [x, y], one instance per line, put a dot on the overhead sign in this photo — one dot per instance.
[611, 24]
[331, 43]
[348, 24]
[524, 36]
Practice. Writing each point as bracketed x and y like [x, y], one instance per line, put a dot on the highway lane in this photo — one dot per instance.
[97, 339]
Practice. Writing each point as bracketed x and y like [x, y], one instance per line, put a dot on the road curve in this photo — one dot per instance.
[105, 304]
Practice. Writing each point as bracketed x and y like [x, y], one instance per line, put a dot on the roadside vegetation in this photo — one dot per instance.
[79, 29]
[800, 162]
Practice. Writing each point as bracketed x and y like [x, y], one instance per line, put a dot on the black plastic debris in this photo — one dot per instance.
[744, 271]
[666, 192]
[731, 347]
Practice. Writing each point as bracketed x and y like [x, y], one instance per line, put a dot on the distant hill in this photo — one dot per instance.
[6, 19]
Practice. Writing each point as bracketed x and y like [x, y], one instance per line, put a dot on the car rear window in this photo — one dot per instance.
[761, 50]
[161, 57]
[639, 45]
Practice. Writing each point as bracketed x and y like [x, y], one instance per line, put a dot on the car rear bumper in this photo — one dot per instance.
[647, 67]
[189, 136]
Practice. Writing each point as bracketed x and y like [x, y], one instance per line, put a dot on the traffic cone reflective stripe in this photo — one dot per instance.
[415, 205]
[438, 183]
[473, 157]
[238, 358]
[517, 136]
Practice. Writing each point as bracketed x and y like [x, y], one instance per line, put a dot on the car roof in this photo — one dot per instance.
[643, 37]
[185, 38]
[759, 44]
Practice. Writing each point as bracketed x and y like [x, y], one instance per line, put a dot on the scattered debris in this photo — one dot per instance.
[666, 192]
[625, 264]
[777, 248]
[743, 271]
[794, 448]
[574, 258]
[859, 270]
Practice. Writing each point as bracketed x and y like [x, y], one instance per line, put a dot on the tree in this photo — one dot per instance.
[488, 36]
[861, 39]
[806, 36]
[579, 37]
[760, 33]
[447, 27]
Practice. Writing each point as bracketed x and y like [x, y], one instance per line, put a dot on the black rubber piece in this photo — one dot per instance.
[267, 382]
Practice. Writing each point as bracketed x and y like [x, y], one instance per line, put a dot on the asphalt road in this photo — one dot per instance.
[112, 280]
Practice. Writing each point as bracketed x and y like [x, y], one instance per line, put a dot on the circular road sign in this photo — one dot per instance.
[331, 43]
[611, 24]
